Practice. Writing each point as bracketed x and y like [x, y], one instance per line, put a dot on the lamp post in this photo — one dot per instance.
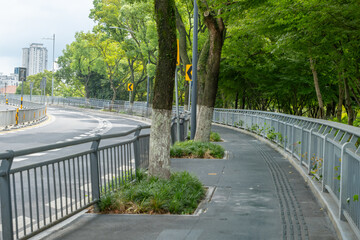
[31, 87]
[53, 66]
[6, 101]
[194, 72]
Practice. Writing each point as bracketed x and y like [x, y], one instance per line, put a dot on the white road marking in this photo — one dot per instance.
[55, 150]
[37, 154]
[19, 159]
[77, 137]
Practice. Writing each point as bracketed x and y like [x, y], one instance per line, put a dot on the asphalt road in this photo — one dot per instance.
[63, 125]
[38, 194]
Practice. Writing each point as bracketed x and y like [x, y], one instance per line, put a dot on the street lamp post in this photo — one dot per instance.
[53, 66]
[6, 101]
[31, 87]
[194, 72]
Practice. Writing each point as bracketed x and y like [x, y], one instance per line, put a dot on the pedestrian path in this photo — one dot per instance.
[258, 195]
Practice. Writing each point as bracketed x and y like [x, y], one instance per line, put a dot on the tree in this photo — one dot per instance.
[209, 69]
[159, 162]
[79, 62]
[131, 24]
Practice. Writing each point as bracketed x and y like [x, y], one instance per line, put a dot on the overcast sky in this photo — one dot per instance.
[23, 22]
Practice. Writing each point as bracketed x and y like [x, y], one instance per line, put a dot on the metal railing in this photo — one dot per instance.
[37, 196]
[31, 112]
[328, 150]
[137, 108]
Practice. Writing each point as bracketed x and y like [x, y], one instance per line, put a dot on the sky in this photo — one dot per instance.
[23, 22]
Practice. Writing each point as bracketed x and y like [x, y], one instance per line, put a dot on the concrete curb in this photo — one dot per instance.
[24, 125]
[342, 228]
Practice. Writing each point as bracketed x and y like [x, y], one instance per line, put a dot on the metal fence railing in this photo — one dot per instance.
[37, 196]
[136, 108]
[328, 150]
[31, 112]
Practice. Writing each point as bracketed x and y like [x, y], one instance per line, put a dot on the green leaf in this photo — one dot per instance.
[356, 198]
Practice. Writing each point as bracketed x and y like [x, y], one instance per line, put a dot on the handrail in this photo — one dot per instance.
[328, 150]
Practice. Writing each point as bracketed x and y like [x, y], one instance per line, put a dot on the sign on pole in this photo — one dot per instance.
[188, 72]
[178, 54]
[22, 74]
[130, 87]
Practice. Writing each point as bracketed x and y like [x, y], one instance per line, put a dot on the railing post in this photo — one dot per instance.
[137, 149]
[301, 144]
[5, 196]
[292, 139]
[324, 162]
[342, 182]
[309, 150]
[94, 168]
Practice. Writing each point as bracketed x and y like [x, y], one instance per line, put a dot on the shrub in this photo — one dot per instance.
[197, 150]
[215, 137]
[180, 194]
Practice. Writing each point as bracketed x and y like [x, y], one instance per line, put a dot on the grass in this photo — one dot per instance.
[195, 149]
[181, 194]
[215, 137]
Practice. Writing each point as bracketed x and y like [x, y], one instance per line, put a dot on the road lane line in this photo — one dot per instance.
[19, 159]
[36, 154]
[55, 150]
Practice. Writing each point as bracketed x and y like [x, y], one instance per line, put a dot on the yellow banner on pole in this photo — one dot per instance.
[178, 54]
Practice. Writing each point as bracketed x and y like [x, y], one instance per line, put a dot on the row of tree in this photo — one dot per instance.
[297, 57]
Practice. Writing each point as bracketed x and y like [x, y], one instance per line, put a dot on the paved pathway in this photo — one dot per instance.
[258, 195]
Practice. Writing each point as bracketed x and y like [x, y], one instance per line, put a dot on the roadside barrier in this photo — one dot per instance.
[328, 150]
[31, 112]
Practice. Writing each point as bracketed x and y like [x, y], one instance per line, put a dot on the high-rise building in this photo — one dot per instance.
[34, 58]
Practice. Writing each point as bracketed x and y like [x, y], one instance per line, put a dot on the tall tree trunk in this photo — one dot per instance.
[210, 71]
[341, 99]
[183, 52]
[348, 103]
[243, 99]
[159, 162]
[236, 100]
[321, 113]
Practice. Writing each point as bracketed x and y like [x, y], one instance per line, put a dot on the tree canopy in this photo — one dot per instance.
[297, 57]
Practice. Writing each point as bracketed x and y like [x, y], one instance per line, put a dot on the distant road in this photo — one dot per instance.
[63, 125]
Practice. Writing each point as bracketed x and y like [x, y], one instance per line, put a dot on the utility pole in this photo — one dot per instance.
[6, 101]
[22, 78]
[194, 71]
[53, 66]
[31, 87]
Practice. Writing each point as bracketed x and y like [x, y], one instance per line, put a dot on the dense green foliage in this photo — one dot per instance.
[296, 57]
[180, 194]
[266, 58]
[196, 149]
